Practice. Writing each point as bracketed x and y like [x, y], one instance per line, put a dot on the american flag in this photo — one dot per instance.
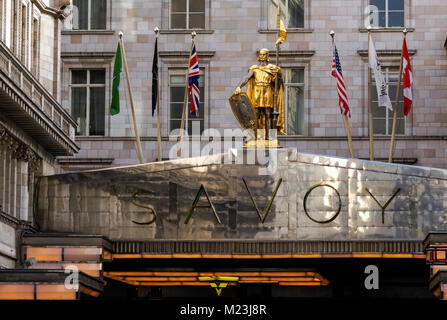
[194, 75]
[341, 88]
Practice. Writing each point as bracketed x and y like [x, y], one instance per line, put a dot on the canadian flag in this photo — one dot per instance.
[408, 79]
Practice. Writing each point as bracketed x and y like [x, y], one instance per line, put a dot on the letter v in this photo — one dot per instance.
[269, 206]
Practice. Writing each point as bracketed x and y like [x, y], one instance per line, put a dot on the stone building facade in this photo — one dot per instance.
[34, 128]
[229, 34]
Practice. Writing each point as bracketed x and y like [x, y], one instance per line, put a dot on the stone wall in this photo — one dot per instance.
[234, 32]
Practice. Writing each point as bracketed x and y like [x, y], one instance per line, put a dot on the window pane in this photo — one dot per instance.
[97, 111]
[79, 76]
[197, 20]
[382, 19]
[177, 79]
[295, 76]
[380, 4]
[177, 94]
[396, 5]
[97, 76]
[296, 14]
[80, 14]
[379, 126]
[400, 109]
[98, 14]
[378, 112]
[78, 109]
[400, 126]
[395, 19]
[178, 5]
[178, 21]
[176, 110]
[174, 124]
[273, 13]
[196, 5]
[295, 112]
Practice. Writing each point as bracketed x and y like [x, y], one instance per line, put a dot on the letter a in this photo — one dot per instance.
[372, 281]
[195, 204]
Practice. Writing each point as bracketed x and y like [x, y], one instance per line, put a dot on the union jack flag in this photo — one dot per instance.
[194, 75]
[341, 88]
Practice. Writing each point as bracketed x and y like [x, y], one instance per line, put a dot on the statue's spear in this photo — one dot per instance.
[281, 38]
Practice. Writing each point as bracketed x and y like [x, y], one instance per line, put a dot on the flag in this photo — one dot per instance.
[115, 105]
[341, 88]
[382, 88]
[282, 33]
[155, 77]
[193, 76]
[408, 79]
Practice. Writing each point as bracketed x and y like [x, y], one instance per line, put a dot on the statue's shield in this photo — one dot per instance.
[243, 110]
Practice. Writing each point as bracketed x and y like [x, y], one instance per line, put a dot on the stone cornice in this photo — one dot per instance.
[20, 151]
[185, 54]
[88, 55]
[9, 220]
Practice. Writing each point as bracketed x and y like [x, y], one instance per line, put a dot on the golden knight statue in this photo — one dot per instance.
[265, 90]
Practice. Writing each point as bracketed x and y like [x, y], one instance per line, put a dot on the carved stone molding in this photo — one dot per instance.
[19, 150]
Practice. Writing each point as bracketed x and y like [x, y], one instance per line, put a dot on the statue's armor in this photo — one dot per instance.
[264, 81]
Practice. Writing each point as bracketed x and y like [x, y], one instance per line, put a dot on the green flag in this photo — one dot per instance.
[115, 105]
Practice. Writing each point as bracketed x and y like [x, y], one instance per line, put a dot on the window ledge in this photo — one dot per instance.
[186, 31]
[397, 53]
[301, 30]
[87, 32]
[87, 55]
[400, 29]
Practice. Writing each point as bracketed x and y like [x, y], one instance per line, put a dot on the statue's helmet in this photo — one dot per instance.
[264, 54]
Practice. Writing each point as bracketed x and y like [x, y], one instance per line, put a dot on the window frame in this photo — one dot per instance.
[386, 70]
[180, 71]
[292, 84]
[89, 18]
[187, 27]
[88, 85]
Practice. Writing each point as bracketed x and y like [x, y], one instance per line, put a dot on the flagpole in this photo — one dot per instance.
[390, 157]
[137, 137]
[275, 94]
[185, 100]
[156, 30]
[371, 129]
[348, 128]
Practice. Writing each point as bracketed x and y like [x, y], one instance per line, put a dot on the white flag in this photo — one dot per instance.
[382, 88]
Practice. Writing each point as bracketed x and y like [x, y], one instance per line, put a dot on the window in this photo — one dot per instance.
[89, 14]
[390, 13]
[24, 33]
[294, 100]
[87, 96]
[177, 80]
[35, 43]
[14, 26]
[187, 14]
[295, 13]
[382, 116]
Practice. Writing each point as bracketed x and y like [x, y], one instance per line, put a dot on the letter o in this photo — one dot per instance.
[308, 193]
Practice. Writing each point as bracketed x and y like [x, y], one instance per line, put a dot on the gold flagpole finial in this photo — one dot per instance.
[120, 34]
[193, 34]
[157, 31]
